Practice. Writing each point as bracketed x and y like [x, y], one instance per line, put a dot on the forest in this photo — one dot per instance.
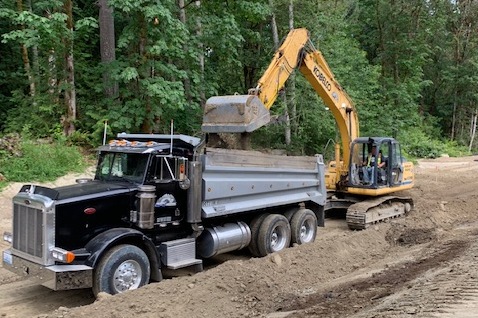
[70, 68]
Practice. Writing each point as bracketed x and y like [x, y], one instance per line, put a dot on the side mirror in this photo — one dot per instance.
[181, 173]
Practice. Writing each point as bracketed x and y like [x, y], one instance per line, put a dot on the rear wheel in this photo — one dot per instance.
[122, 268]
[290, 213]
[274, 234]
[255, 225]
[303, 227]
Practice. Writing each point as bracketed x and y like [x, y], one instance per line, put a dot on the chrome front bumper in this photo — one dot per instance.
[56, 277]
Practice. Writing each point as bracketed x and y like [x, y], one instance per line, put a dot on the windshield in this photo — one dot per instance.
[113, 166]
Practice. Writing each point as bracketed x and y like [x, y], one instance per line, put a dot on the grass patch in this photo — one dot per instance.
[41, 162]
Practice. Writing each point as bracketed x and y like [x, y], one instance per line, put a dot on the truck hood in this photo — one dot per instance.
[92, 189]
[81, 191]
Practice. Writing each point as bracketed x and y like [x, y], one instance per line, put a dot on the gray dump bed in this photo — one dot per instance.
[235, 181]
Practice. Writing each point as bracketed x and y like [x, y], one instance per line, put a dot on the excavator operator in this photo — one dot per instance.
[369, 164]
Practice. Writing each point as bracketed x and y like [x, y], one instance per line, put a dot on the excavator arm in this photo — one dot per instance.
[246, 113]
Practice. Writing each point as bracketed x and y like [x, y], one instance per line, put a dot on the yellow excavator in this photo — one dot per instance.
[367, 171]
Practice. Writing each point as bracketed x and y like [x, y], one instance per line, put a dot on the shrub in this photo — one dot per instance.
[41, 162]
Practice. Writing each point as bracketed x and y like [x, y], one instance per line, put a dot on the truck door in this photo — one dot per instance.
[165, 173]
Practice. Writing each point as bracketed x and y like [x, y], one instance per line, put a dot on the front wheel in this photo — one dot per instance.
[122, 268]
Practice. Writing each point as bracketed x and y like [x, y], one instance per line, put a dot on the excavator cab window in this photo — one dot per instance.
[372, 161]
[396, 164]
[383, 171]
[359, 156]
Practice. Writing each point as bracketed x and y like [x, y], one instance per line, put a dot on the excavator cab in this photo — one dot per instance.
[377, 163]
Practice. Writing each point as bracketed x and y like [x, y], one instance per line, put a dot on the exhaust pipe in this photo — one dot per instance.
[146, 200]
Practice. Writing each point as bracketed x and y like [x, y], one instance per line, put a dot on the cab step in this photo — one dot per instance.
[180, 253]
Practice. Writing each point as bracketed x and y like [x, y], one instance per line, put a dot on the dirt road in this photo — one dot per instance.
[423, 265]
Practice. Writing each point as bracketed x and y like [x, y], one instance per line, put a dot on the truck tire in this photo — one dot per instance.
[290, 213]
[254, 226]
[303, 227]
[122, 268]
[274, 234]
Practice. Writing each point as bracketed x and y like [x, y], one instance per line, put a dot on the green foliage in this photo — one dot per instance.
[41, 161]
[453, 149]
[32, 116]
[418, 145]
[411, 67]
[36, 30]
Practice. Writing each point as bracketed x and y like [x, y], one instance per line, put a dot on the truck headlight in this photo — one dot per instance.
[62, 255]
[8, 237]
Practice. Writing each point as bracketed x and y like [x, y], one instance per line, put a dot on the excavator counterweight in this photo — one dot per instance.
[234, 114]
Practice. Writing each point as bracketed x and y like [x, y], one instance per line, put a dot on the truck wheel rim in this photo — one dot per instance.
[306, 231]
[278, 239]
[127, 276]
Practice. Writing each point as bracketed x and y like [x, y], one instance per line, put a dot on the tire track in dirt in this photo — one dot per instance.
[450, 291]
[426, 287]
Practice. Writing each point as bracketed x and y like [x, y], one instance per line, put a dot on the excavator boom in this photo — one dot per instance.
[246, 113]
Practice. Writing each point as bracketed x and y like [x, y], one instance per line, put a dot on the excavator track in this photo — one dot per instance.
[362, 214]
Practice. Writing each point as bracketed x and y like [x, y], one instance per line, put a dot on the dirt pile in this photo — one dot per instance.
[402, 235]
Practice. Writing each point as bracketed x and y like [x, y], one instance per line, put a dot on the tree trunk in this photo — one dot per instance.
[186, 81]
[291, 105]
[202, 91]
[70, 91]
[26, 59]
[453, 120]
[52, 74]
[275, 34]
[275, 37]
[107, 46]
[148, 121]
[474, 117]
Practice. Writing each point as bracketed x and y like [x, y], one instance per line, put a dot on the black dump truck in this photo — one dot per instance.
[162, 201]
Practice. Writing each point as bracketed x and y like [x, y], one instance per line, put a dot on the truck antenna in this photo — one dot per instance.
[172, 130]
[104, 132]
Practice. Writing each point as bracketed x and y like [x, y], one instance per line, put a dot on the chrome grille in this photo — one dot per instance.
[28, 230]
[33, 227]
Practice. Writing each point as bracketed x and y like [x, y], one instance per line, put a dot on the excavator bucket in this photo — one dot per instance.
[234, 114]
